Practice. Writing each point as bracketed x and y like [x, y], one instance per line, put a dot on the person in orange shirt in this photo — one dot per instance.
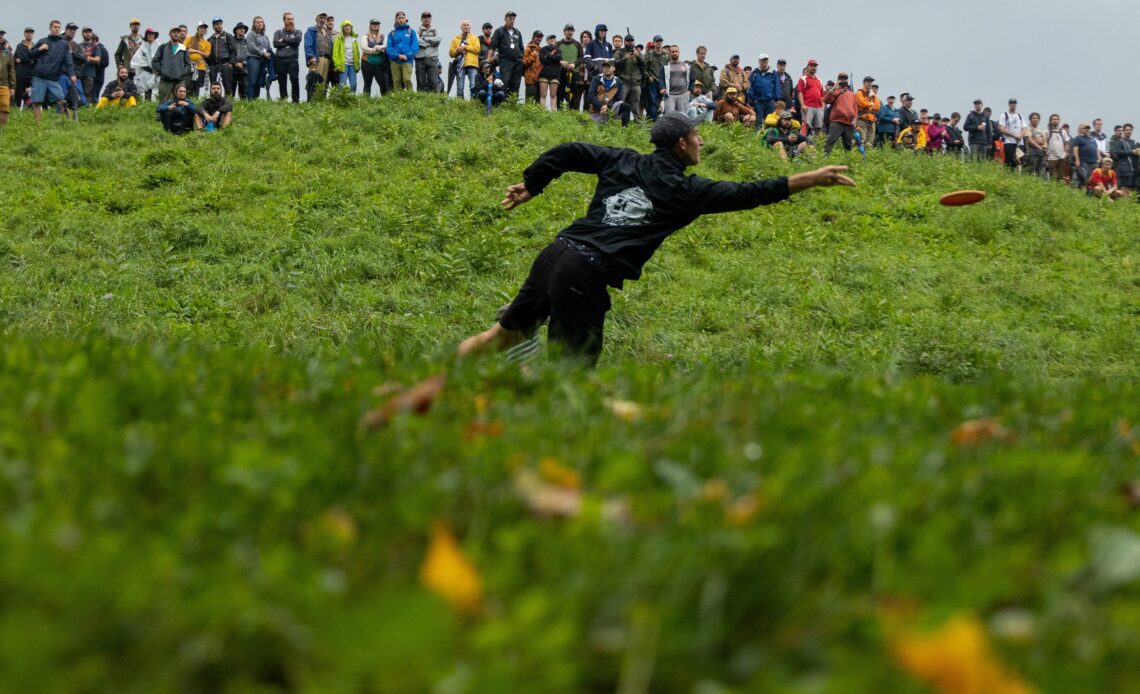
[1103, 182]
[731, 109]
[867, 100]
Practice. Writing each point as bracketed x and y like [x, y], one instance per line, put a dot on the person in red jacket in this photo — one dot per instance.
[844, 111]
[1103, 182]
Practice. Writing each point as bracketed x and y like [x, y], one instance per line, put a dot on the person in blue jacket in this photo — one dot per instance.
[887, 125]
[178, 112]
[51, 61]
[763, 89]
[402, 47]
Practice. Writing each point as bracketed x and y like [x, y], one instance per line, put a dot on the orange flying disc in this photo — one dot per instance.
[962, 197]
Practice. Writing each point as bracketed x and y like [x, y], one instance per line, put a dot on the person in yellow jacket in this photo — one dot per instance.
[464, 52]
[867, 101]
[912, 137]
[346, 55]
[773, 118]
[198, 47]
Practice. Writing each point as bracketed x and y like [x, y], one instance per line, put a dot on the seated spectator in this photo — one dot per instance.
[935, 134]
[177, 113]
[1103, 183]
[215, 112]
[486, 82]
[785, 136]
[731, 109]
[773, 119]
[604, 96]
[122, 92]
[912, 138]
[701, 106]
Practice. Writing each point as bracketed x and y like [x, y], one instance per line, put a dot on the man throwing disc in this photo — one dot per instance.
[640, 200]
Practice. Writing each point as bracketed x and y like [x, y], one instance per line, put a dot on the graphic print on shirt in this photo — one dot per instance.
[629, 208]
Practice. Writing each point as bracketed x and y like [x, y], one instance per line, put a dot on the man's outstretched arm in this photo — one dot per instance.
[727, 196]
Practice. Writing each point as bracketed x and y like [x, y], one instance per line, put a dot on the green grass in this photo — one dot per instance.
[191, 328]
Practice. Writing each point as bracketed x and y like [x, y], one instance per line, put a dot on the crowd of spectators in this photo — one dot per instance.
[609, 77]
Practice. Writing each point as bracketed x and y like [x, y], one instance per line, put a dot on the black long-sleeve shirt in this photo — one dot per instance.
[641, 199]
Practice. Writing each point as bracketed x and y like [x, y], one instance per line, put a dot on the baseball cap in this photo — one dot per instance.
[785, 114]
[568, 26]
[215, 20]
[150, 30]
[511, 13]
[868, 78]
[71, 25]
[781, 61]
[763, 56]
[730, 90]
[906, 95]
[87, 30]
[813, 61]
[203, 23]
[27, 29]
[488, 25]
[671, 127]
[977, 101]
[425, 13]
[373, 21]
[536, 33]
[658, 38]
[1012, 100]
[628, 38]
[135, 20]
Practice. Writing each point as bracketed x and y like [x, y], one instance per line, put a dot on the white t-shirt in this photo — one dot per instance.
[1014, 122]
[349, 45]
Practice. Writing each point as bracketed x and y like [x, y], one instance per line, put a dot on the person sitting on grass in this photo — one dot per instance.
[773, 118]
[701, 105]
[122, 92]
[1103, 182]
[912, 138]
[785, 138]
[215, 112]
[178, 112]
[486, 81]
[605, 96]
[640, 200]
[731, 109]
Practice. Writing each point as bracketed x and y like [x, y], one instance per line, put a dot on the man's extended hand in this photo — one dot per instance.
[516, 195]
[824, 176]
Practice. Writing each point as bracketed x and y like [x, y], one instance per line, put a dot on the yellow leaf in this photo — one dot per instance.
[447, 572]
[555, 473]
[956, 659]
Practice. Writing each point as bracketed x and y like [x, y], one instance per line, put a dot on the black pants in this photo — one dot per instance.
[837, 131]
[372, 73]
[1010, 154]
[569, 291]
[23, 84]
[511, 73]
[288, 73]
[226, 70]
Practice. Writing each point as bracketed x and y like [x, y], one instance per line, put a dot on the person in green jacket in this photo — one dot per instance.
[346, 55]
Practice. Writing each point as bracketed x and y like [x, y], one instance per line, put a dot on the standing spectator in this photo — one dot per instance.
[372, 56]
[631, 71]
[464, 51]
[1097, 133]
[24, 59]
[655, 60]
[571, 52]
[427, 57]
[92, 62]
[74, 88]
[596, 51]
[887, 123]
[178, 114]
[809, 91]
[146, 79]
[318, 57]
[1085, 154]
[1035, 146]
[7, 79]
[731, 109]
[287, 42]
[605, 96]
[199, 47]
[867, 100]
[172, 66]
[259, 51]
[763, 88]
[955, 141]
[52, 61]
[121, 92]
[701, 106]
[935, 135]
[1012, 132]
[221, 58]
[240, 60]
[1103, 182]
[786, 87]
[128, 45]
[701, 71]
[674, 80]
[977, 132]
[403, 44]
[906, 112]
[551, 61]
[584, 74]
[507, 43]
[1125, 154]
[346, 55]
[486, 54]
[733, 76]
[1057, 149]
[844, 111]
[532, 66]
[215, 111]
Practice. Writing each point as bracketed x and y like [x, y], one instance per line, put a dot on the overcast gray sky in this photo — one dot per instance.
[1074, 58]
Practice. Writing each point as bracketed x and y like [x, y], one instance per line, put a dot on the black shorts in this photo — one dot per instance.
[567, 289]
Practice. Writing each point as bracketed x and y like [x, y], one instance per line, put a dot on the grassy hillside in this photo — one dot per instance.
[854, 442]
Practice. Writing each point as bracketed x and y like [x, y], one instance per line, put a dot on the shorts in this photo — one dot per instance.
[570, 291]
[814, 118]
[5, 100]
[547, 80]
[43, 88]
